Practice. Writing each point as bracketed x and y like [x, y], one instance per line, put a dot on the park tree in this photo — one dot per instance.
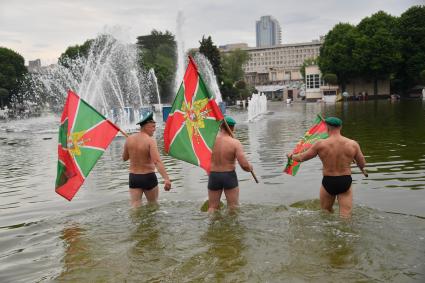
[411, 33]
[308, 62]
[209, 50]
[233, 62]
[73, 52]
[158, 51]
[377, 51]
[12, 71]
[422, 77]
[336, 53]
[232, 80]
[331, 79]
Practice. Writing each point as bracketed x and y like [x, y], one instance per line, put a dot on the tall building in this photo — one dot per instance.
[34, 66]
[268, 32]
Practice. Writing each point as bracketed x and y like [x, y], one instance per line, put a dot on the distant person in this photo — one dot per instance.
[336, 153]
[223, 176]
[142, 150]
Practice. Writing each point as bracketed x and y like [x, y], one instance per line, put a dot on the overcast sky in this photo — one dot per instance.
[45, 28]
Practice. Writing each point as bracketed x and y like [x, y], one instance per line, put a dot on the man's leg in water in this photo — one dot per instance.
[345, 201]
[136, 197]
[232, 197]
[214, 200]
[326, 200]
[152, 195]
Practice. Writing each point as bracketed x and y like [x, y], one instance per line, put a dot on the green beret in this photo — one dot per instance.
[147, 117]
[230, 121]
[333, 121]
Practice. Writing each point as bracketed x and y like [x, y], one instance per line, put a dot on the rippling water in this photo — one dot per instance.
[279, 233]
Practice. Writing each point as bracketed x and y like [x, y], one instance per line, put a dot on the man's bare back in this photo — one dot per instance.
[222, 177]
[142, 151]
[225, 152]
[337, 153]
[138, 148]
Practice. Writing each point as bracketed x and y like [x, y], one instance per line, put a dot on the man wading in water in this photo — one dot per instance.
[336, 153]
[143, 153]
[223, 176]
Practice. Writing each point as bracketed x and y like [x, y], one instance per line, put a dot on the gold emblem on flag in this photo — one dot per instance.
[194, 114]
[75, 141]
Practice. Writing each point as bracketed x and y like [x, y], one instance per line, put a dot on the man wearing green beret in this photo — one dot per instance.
[222, 177]
[336, 153]
[142, 150]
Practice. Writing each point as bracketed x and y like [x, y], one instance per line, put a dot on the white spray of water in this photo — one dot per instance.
[257, 106]
[155, 84]
[109, 78]
[207, 73]
[180, 52]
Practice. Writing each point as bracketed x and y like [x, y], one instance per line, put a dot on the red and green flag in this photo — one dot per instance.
[84, 134]
[193, 122]
[316, 132]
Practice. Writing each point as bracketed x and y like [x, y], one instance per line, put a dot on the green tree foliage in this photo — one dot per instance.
[377, 50]
[331, 79]
[159, 52]
[12, 71]
[422, 77]
[307, 62]
[379, 47]
[411, 32]
[211, 51]
[233, 62]
[75, 51]
[233, 74]
[337, 53]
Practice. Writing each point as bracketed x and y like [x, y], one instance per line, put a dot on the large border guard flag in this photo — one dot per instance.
[84, 135]
[194, 121]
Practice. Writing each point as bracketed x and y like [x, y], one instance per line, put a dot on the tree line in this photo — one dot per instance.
[379, 47]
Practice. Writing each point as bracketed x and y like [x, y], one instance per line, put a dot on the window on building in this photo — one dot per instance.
[313, 81]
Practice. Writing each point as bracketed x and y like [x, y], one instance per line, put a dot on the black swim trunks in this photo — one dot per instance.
[142, 181]
[335, 185]
[222, 180]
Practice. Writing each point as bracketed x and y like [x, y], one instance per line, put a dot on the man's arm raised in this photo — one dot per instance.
[304, 156]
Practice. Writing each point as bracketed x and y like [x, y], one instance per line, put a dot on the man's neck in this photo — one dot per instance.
[334, 133]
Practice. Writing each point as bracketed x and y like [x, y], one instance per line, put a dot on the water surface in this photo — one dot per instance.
[278, 235]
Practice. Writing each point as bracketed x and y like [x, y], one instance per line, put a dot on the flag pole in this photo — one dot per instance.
[231, 134]
[122, 132]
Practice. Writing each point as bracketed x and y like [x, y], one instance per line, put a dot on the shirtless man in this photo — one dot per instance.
[142, 151]
[336, 153]
[223, 176]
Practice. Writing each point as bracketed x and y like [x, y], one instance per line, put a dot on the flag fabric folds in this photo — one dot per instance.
[84, 134]
[193, 122]
[316, 132]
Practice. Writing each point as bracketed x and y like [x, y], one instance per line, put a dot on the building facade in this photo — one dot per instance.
[268, 32]
[279, 64]
[34, 66]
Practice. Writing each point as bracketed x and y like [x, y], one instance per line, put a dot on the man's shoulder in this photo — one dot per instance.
[350, 141]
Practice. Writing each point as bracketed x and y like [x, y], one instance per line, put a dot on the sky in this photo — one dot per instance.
[45, 28]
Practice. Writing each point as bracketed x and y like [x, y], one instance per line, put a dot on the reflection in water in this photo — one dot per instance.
[146, 248]
[225, 248]
[76, 255]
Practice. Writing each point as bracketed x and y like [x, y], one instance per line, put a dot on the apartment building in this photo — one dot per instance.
[279, 64]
